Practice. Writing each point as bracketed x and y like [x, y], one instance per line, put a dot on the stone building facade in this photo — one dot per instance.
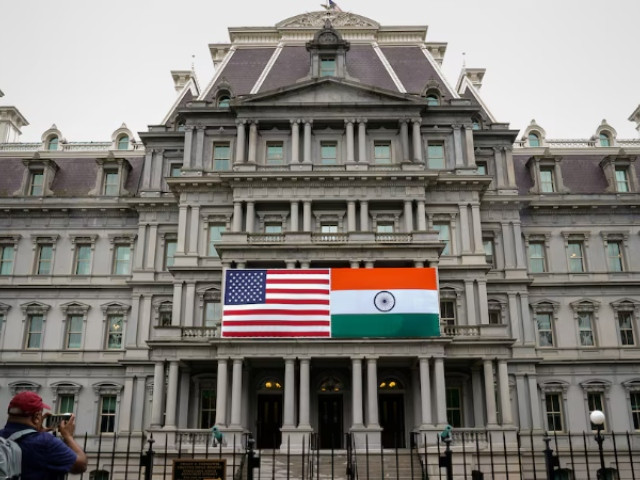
[327, 140]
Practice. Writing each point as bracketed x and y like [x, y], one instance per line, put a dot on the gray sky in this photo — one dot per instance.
[89, 65]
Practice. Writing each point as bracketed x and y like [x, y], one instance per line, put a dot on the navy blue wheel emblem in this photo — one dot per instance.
[384, 301]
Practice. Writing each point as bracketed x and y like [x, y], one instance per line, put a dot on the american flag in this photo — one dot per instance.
[276, 303]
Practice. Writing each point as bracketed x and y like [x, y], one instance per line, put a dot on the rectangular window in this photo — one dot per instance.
[435, 155]
[481, 168]
[382, 153]
[576, 256]
[553, 403]
[443, 235]
[207, 408]
[74, 331]
[495, 317]
[537, 262]
[547, 184]
[585, 329]
[83, 259]
[329, 228]
[622, 180]
[115, 325]
[275, 153]
[108, 413]
[328, 153]
[169, 252]
[66, 403]
[36, 183]
[545, 329]
[447, 312]
[634, 398]
[175, 170]
[164, 318]
[111, 182]
[221, 157]
[122, 260]
[273, 228]
[45, 259]
[215, 236]
[454, 407]
[594, 401]
[35, 325]
[6, 259]
[489, 250]
[614, 255]
[212, 314]
[384, 227]
[625, 324]
[327, 67]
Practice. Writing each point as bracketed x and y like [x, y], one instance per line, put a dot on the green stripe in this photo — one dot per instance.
[386, 325]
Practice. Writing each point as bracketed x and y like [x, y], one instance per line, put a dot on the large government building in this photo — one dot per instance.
[325, 141]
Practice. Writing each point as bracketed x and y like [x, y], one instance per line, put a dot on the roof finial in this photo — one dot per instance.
[193, 63]
[464, 59]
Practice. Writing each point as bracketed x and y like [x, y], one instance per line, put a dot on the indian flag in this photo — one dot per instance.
[384, 302]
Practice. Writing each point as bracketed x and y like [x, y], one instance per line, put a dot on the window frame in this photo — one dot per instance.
[121, 241]
[210, 296]
[437, 224]
[36, 189]
[103, 390]
[439, 144]
[632, 392]
[170, 248]
[581, 240]
[74, 309]
[459, 409]
[109, 312]
[323, 71]
[111, 188]
[31, 332]
[65, 389]
[8, 241]
[123, 142]
[78, 242]
[559, 391]
[40, 242]
[216, 161]
[382, 160]
[211, 250]
[333, 160]
[30, 310]
[269, 159]
[631, 309]
[546, 307]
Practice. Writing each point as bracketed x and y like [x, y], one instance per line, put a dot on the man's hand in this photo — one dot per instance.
[67, 427]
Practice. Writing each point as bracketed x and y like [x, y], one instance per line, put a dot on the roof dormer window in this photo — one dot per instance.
[327, 66]
[53, 142]
[328, 50]
[224, 100]
[534, 139]
[433, 98]
[123, 142]
[605, 140]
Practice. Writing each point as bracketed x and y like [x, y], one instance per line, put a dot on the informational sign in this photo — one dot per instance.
[194, 469]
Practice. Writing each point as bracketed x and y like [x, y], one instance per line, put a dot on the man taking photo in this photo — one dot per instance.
[44, 456]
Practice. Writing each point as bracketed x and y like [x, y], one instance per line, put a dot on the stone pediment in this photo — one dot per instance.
[339, 20]
[328, 90]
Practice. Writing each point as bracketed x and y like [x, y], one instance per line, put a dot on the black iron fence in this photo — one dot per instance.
[476, 455]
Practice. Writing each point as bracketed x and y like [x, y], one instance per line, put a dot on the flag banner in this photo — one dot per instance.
[337, 303]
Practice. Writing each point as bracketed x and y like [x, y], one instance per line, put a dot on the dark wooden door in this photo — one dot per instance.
[330, 421]
[391, 410]
[269, 421]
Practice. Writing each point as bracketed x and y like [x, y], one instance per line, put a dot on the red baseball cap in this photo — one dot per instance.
[27, 403]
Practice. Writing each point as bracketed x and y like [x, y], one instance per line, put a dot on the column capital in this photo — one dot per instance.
[254, 122]
[416, 120]
[456, 126]
[189, 128]
[201, 127]
[348, 121]
[361, 120]
[307, 121]
[405, 120]
[295, 121]
[241, 122]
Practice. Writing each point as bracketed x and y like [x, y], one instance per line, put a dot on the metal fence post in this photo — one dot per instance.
[146, 459]
[550, 460]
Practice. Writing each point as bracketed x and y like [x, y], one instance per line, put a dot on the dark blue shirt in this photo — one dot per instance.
[44, 457]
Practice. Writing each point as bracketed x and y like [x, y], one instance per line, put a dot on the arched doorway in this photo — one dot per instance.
[269, 413]
[391, 412]
[330, 412]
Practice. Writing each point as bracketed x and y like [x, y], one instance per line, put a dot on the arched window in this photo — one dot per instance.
[605, 141]
[123, 142]
[53, 143]
[433, 99]
[223, 101]
[476, 123]
[534, 139]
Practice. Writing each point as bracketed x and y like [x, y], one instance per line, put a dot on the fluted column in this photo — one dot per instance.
[253, 141]
[289, 392]
[305, 398]
[422, 215]
[240, 141]
[307, 141]
[534, 399]
[364, 216]
[514, 317]
[351, 215]
[188, 147]
[295, 141]
[294, 216]
[237, 216]
[351, 154]
[505, 402]
[236, 393]
[483, 303]
[152, 242]
[489, 393]
[425, 391]
[194, 228]
[306, 216]
[417, 141]
[221, 393]
[176, 310]
[464, 228]
[250, 217]
[182, 230]
[408, 216]
[197, 164]
[469, 296]
[158, 395]
[189, 304]
[372, 393]
[356, 380]
[441, 391]
[172, 396]
[362, 140]
[477, 229]
[457, 146]
[404, 140]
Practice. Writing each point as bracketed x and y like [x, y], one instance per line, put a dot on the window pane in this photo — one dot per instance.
[481, 168]
[122, 260]
[329, 228]
[488, 250]
[111, 183]
[275, 154]
[384, 227]
[435, 154]
[53, 143]
[614, 253]
[545, 332]
[212, 314]
[34, 333]
[207, 408]
[37, 183]
[454, 407]
[170, 252]
[635, 409]
[575, 257]
[327, 67]
[536, 257]
[585, 329]
[382, 153]
[625, 324]
[123, 143]
[215, 235]
[433, 100]
[594, 401]
[114, 333]
[328, 153]
[546, 180]
[175, 170]
[604, 140]
[108, 413]
[74, 331]
[274, 228]
[554, 412]
[83, 259]
[66, 403]
[447, 312]
[622, 180]
[534, 140]
[443, 236]
[223, 102]
[221, 157]
[44, 259]
[6, 259]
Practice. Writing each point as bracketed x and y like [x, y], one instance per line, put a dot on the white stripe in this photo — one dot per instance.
[298, 276]
[301, 318]
[297, 296]
[362, 301]
[274, 328]
[300, 286]
[273, 306]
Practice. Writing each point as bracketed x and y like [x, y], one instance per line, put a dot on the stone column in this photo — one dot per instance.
[372, 393]
[221, 393]
[236, 393]
[294, 216]
[469, 296]
[306, 216]
[534, 399]
[295, 141]
[305, 399]
[307, 141]
[422, 216]
[523, 408]
[251, 215]
[511, 174]
[441, 392]
[158, 395]
[514, 317]
[182, 230]
[425, 392]
[505, 401]
[240, 141]
[408, 216]
[172, 396]
[477, 229]
[289, 393]
[351, 216]
[189, 304]
[152, 243]
[362, 140]
[483, 303]
[356, 405]
[176, 310]
[417, 141]
[199, 147]
[188, 147]
[457, 146]
[468, 145]
[489, 393]
[478, 395]
[142, 247]
[404, 140]
[527, 321]
[237, 216]
[517, 238]
[253, 142]
[364, 216]
[507, 238]
[351, 153]
[464, 228]
[194, 229]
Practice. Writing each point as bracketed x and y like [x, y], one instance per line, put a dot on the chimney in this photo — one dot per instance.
[180, 78]
[635, 117]
[11, 122]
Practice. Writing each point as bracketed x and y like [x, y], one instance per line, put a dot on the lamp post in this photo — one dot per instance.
[597, 418]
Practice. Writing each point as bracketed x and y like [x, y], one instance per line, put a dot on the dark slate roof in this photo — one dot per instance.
[11, 177]
[523, 178]
[293, 63]
[188, 96]
[364, 64]
[243, 69]
[413, 69]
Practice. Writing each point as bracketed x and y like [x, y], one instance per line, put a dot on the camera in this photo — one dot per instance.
[52, 421]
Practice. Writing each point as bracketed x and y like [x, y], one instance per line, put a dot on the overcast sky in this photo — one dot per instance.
[89, 65]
